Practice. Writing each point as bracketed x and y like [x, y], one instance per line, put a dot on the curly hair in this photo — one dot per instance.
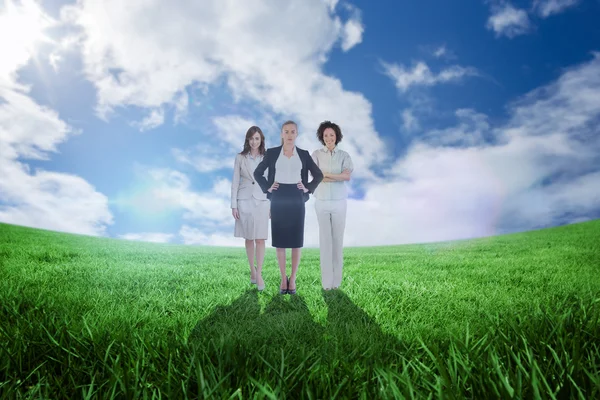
[328, 124]
[251, 131]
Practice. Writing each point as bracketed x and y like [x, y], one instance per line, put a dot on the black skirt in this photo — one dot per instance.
[287, 216]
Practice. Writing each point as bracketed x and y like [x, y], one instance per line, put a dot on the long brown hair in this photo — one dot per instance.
[251, 131]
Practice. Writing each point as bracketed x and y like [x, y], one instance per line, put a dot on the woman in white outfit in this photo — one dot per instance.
[330, 203]
[249, 205]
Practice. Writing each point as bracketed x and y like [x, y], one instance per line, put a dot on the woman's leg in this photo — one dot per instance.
[296, 254]
[300, 209]
[325, 244]
[250, 254]
[260, 258]
[338, 219]
[281, 260]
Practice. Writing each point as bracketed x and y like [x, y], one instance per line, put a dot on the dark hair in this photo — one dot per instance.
[251, 131]
[289, 122]
[328, 124]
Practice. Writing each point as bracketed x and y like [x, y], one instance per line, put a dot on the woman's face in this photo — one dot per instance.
[329, 137]
[289, 134]
[254, 141]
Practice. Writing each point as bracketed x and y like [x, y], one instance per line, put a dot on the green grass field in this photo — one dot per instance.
[514, 316]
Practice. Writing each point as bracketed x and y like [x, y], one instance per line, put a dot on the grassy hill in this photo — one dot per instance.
[513, 316]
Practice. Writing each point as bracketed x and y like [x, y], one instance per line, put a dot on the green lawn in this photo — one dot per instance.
[514, 316]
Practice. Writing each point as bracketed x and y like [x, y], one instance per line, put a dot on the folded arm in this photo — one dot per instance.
[347, 168]
[344, 176]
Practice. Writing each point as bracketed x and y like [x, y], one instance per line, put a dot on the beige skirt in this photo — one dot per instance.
[254, 219]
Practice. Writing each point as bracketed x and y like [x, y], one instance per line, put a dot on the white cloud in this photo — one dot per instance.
[411, 122]
[222, 188]
[172, 189]
[153, 237]
[203, 158]
[181, 106]
[40, 198]
[331, 4]
[546, 8]
[439, 192]
[440, 51]
[508, 21]
[543, 169]
[28, 129]
[153, 120]
[219, 151]
[51, 200]
[472, 130]
[206, 214]
[54, 59]
[268, 52]
[232, 129]
[421, 75]
[352, 33]
[191, 236]
[22, 26]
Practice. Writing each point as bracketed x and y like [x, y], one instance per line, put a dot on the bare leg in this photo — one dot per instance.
[260, 258]
[296, 253]
[281, 261]
[250, 254]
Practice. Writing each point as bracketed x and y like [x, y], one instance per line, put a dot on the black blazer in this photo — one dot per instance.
[269, 160]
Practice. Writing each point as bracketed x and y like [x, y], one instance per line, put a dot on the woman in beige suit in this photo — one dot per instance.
[249, 205]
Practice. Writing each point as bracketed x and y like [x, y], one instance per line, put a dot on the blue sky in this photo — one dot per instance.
[462, 121]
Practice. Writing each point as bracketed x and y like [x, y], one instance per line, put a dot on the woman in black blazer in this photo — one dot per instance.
[288, 189]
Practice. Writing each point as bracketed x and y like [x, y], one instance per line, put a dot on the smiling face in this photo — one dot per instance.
[329, 138]
[254, 141]
[329, 134]
[289, 133]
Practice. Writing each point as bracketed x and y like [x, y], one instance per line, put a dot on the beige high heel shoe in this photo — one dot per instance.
[260, 287]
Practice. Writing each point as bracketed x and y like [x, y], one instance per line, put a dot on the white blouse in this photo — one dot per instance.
[332, 162]
[287, 170]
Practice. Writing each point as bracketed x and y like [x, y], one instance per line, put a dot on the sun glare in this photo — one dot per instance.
[22, 28]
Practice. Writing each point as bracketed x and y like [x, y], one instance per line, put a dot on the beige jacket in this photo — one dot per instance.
[243, 185]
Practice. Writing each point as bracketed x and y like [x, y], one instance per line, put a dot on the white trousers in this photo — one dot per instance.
[331, 215]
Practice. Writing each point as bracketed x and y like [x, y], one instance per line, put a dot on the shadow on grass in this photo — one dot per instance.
[284, 347]
[241, 330]
[353, 337]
